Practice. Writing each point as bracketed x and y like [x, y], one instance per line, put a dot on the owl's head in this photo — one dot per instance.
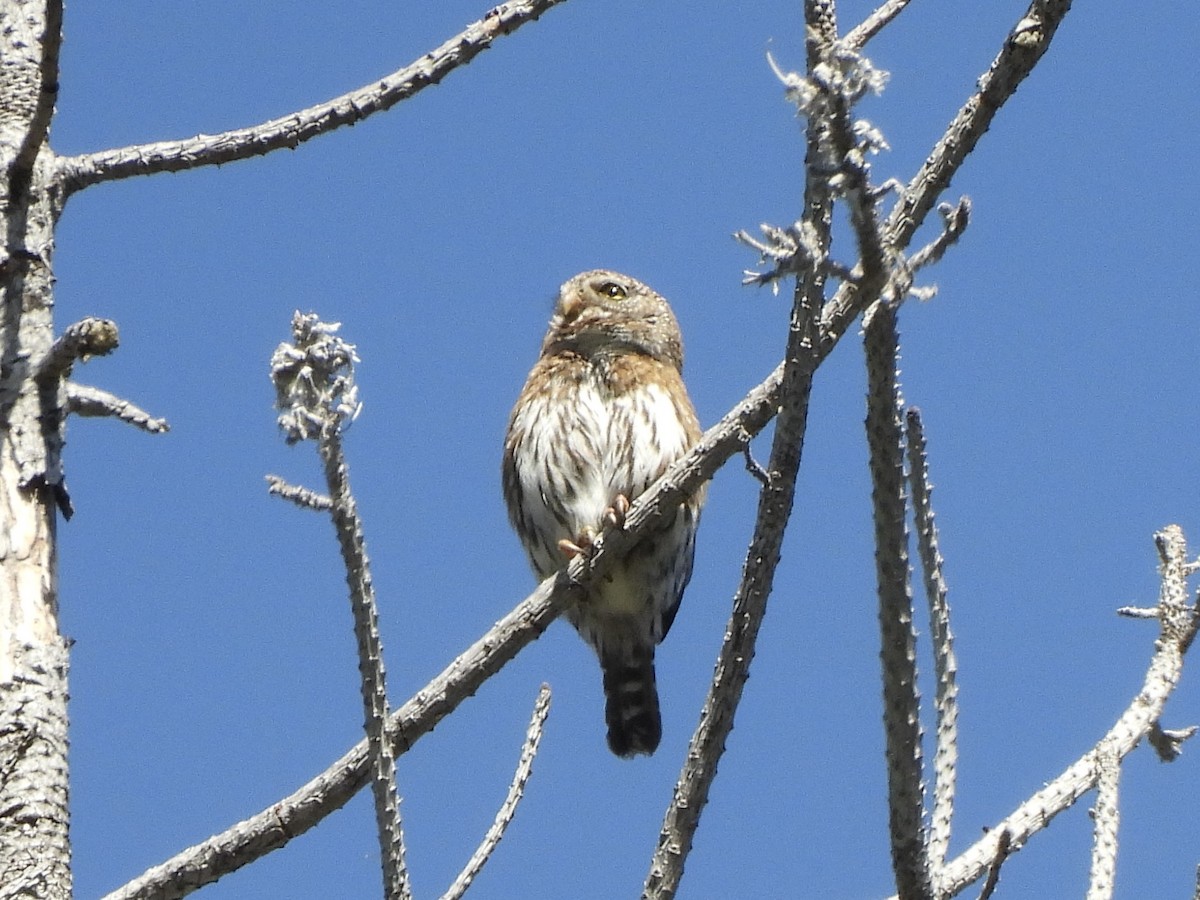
[602, 312]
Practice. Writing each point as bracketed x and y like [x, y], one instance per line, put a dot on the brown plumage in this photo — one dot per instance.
[603, 413]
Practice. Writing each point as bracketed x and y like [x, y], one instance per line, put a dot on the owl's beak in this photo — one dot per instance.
[571, 305]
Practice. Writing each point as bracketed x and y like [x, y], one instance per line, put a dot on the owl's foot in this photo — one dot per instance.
[614, 516]
[581, 546]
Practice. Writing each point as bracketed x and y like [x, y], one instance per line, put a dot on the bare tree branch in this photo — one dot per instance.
[874, 23]
[1168, 743]
[77, 172]
[537, 725]
[80, 342]
[92, 402]
[1003, 849]
[301, 496]
[945, 665]
[1106, 815]
[898, 640]
[1178, 626]
[776, 498]
[314, 383]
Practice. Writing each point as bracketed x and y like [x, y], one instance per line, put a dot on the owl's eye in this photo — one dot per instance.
[613, 290]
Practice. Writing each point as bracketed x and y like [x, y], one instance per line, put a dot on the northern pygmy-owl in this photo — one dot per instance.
[603, 414]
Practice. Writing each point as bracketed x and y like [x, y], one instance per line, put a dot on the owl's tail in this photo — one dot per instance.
[631, 700]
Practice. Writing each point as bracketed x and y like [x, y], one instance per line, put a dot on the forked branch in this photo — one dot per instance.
[1178, 623]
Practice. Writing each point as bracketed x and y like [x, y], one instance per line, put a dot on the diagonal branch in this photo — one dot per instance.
[1025, 45]
[289, 131]
[858, 36]
[93, 402]
[775, 502]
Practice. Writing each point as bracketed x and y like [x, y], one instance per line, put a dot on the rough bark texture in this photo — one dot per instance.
[34, 848]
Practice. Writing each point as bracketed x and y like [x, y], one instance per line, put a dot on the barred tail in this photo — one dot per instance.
[631, 701]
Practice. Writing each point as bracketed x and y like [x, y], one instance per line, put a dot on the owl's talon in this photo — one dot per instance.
[614, 516]
[570, 549]
[581, 546]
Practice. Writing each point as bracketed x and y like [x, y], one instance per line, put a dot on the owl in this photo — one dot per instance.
[602, 415]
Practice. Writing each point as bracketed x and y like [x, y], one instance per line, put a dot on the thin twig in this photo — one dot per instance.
[858, 36]
[92, 402]
[1106, 817]
[1168, 743]
[1003, 849]
[1138, 612]
[295, 128]
[533, 737]
[954, 222]
[754, 467]
[945, 757]
[301, 496]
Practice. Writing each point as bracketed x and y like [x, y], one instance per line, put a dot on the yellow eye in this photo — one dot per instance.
[613, 290]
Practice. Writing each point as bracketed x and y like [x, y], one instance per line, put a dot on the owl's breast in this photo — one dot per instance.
[582, 433]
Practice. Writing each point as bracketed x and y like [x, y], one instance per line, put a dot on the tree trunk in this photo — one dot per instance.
[34, 844]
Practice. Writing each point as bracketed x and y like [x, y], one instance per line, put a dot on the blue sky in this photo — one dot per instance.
[214, 668]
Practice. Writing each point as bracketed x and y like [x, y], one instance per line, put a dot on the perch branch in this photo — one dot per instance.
[533, 737]
[290, 131]
[275, 826]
